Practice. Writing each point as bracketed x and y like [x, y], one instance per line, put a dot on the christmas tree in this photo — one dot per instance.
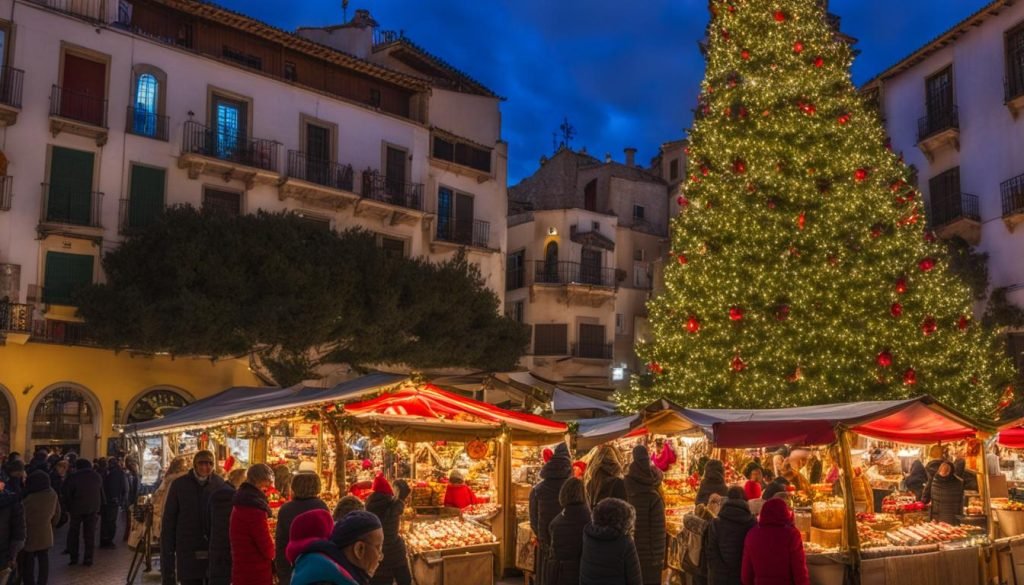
[803, 271]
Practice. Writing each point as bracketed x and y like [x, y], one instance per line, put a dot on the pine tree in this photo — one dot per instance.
[805, 273]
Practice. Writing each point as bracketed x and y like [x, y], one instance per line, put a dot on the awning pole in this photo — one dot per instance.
[986, 486]
[851, 537]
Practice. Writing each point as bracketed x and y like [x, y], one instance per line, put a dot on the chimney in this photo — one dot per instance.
[630, 156]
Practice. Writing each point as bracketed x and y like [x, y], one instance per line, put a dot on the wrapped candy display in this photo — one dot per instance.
[446, 533]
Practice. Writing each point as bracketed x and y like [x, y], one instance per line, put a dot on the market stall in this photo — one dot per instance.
[444, 435]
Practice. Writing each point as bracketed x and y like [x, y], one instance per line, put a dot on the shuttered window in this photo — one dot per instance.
[220, 201]
[146, 198]
[550, 339]
[70, 191]
[65, 274]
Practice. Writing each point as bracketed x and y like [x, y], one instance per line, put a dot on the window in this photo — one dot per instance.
[144, 121]
[590, 266]
[314, 220]
[64, 275]
[290, 71]
[83, 91]
[639, 212]
[243, 59]
[945, 202]
[145, 195]
[1015, 62]
[375, 100]
[590, 196]
[939, 99]
[673, 169]
[515, 271]
[462, 153]
[60, 416]
[639, 255]
[515, 311]
[221, 201]
[591, 342]
[549, 271]
[69, 196]
[620, 324]
[393, 247]
[550, 339]
[455, 222]
[641, 279]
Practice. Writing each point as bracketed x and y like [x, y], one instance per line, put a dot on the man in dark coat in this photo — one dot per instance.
[84, 496]
[643, 483]
[723, 543]
[566, 532]
[946, 493]
[384, 504]
[115, 498]
[12, 527]
[544, 504]
[609, 555]
[221, 503]
[185, 532]
[713, 482]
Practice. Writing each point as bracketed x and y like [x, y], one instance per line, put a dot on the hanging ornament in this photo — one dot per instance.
[819, 62]
[909, 377]
[884, 358]
[694, 179]
[928, 326]
[901, 285]
[725, 34]
[693, 325]
[798, 47]
[732, 8]
[737, 364]
[655, 368]
[926, 264]
[896, 310]
[1007, 398]
[963, 323]
[801, 220]
[876, 231]
[770, 203]
[682, 259]
[796, 376]
[682, 201]
[929, 236]
[860, 174]
[739, 166]
[736, 313]
[743, 113]
[843, 119]
[782, 312]
[807, 108]
[779, 16]
[704, 170]
[745, 55]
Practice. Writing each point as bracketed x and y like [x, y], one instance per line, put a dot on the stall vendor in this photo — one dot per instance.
[664, 455]
[458, 494]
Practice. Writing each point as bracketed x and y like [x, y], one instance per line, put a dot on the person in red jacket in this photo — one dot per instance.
[773, 552]
[664, 455]
[458, 494]
[252, 549]
[754, 487]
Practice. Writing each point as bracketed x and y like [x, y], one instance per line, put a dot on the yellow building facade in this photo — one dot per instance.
[75, 398]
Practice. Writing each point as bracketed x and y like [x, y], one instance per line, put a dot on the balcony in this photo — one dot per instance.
[133, 216]
[78, 113]
[575, 282]
[938, 130]
[148, 124]
[97, 11]
[11, 81]
[318, 182]
[61, 332]
[594, 351]
[71, 210]
[228, 155]
[15, 322]
[6, 195]
[955, 215]
[1011, 192]
[392, 200]
[474, 232]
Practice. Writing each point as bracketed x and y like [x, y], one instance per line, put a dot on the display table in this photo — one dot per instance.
[826, 569]
[458, 566]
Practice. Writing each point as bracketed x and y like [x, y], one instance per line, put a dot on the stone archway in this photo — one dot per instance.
[8, 420]
[155, 402]
[66, 416]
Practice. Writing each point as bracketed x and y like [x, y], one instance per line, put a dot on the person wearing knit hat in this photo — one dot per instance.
[349, 556]
[381, 486]
[307, 528]
[546, 454]
[389, 509]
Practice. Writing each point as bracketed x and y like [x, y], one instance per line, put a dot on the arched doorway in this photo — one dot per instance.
[155, 403]
[551, 263]
[65, 417]
[6, 421]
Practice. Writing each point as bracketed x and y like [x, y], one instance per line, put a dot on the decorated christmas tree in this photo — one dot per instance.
[804, 272]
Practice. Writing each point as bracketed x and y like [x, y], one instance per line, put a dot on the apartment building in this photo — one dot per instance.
[952, 109]
[114, 109]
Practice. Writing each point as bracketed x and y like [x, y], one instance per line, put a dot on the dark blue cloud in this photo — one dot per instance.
[624, 75]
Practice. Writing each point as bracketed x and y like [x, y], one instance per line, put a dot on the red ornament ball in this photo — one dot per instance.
[807, 108]
[655, 368]
[738, 365]
[860, 174]
[682, 259]
[745, 55]
[798, 47]
[926, 264]
[779, 16]
[884, 358]
[843, 119]
[736, 313]
[732, 8]
[782, 312]
[929, 236]
[901, 285]
[909, 377]
[801, 220]
[693, 325]
[929, 326]
[683, 201]
[963, 323]
[896, 310]
[739, 166]
[704, 170]
[819, 62]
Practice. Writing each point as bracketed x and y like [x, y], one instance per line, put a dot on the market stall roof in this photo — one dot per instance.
[563, 400]
[1011, 434]
[427, 411]
[916, 420]
[262, 402]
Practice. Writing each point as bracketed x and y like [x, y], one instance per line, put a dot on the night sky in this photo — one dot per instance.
[624, 77]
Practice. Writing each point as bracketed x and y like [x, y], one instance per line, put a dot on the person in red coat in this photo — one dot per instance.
[753, 488]
[664, 455]
[252, 549]
[773, 552]
[458, 494]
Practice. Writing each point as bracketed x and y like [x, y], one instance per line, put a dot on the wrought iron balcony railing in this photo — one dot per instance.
[322, 172]
[78, 106]
[938, 121]
[145, 123]
[231, 146]
[572, 273]
[70, 205]
[472, 232]
[387, 190]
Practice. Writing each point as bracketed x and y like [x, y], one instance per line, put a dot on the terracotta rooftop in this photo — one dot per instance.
[462, 81]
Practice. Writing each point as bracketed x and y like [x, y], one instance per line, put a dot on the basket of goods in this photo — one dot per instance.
[901, 503]
[827, 518]
[446, 533]
[484, 511]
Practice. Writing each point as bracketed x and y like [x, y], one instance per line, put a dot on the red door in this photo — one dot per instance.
[83, 96]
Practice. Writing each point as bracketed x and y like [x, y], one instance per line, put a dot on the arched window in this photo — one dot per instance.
[60, 415]
[551, 263]
[147, 94]
[155, 404]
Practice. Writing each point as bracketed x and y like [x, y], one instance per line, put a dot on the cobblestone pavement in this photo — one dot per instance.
[110, 567]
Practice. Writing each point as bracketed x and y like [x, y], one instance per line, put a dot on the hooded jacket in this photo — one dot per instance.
[773, 552]
[307, 528]
[318, 564]
[252, 550]
[713, 482]
[12, 526]
[605, 479]
[389, 510]
[643, 483]
[42, 511]
[946, 495]
[285, 516]
[609, 554]
[916, 479]
[566, 533]
[724, 542]
[544, 504]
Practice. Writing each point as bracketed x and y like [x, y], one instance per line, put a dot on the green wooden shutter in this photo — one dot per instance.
[65, 273]
[70, 195]
[146, 197]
